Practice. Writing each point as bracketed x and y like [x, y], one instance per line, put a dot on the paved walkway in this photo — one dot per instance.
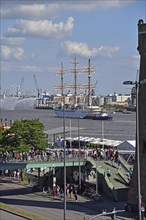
[99, 206]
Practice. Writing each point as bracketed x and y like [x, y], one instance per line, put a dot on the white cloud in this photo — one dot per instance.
[42, 10]
[114, 3]
[33, 11]
[42, 28]
[81, 49]
[12, 41]
[90, 5]
[37, 69]
[8, 53]
[30, 69]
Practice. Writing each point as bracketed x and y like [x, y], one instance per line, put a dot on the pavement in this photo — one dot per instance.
[105, 206]
[99, 206]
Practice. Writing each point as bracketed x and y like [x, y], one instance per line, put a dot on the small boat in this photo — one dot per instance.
[103, 116]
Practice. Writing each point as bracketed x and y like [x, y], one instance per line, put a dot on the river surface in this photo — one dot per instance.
[121, 128]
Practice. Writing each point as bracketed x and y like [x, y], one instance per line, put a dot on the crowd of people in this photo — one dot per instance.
[100, 153]
[16, 174]
[71, 191]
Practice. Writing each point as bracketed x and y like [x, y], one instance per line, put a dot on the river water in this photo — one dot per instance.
[121, 128]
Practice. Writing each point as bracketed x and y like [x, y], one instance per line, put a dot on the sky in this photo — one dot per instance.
[37, 36]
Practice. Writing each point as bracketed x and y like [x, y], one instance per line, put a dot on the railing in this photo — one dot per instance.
[112, 214]
[126, 179]
[107, 180]
[40, 158]
[124, 163]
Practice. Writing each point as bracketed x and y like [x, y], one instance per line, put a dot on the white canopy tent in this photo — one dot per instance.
[127, 148]
[106, 142]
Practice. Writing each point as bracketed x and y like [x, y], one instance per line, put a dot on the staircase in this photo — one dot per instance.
[117, 185]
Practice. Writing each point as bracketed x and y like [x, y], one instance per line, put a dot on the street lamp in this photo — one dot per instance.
[70, 135]
[79, 155]
[96, 168]
[137, 139]
[64, 146]
[96, 180]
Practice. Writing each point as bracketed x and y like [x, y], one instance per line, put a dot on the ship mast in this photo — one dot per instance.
[76, 86]
[62, 87]
[75, 71]
[62, 73]
[89, 69]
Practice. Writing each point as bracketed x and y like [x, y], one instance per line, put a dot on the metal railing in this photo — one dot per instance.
[111, 214]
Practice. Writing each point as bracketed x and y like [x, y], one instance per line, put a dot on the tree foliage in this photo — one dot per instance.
[24, 135]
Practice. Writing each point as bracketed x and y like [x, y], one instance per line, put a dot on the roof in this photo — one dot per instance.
[106, 142]
[132, 142]
[127, 146]
[99, 141]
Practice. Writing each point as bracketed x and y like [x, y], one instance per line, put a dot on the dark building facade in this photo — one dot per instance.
[133, 191]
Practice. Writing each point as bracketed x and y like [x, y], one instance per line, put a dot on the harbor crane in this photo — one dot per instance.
[19, 88]
[36, 84]
[93, 90]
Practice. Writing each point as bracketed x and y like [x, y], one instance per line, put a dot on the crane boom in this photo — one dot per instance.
[36, 84]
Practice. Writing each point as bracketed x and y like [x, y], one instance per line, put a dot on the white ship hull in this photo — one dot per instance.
[71, 113]
[88, 112]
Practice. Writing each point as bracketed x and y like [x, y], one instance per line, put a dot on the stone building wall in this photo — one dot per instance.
[133, 191]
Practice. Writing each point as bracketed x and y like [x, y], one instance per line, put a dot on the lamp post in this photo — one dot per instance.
[64, 146]
[96, 179]
[96, 167]
[102, 130]
[137, 139]
[79, 155]
[70, 135]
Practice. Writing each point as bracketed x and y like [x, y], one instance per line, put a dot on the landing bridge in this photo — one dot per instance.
[112, 187]
[41, 164]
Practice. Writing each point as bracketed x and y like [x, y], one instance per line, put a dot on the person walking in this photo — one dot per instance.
[108, 173]
[58, 190]
[71, 192]
[76, 196]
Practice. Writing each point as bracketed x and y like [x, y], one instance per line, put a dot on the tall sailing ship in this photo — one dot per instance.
[76, 105]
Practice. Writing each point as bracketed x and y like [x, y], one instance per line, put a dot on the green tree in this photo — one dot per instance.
[25, 134]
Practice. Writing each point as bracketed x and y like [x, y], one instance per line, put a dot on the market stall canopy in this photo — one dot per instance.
[106, 142]
[97, 141]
